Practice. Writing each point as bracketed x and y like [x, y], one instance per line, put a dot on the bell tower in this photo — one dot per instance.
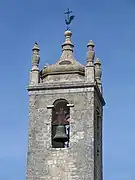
[65, 117]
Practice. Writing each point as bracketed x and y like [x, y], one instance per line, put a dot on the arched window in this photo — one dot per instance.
[60, 124]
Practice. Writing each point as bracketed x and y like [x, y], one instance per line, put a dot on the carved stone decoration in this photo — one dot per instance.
[90, 52]
[35, 57]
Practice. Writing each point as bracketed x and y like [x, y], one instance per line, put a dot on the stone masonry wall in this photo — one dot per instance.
[63, 78]
[75, 162]
[98, 159]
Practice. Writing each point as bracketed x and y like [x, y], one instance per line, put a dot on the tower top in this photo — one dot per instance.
[67, 63]
[65, 116]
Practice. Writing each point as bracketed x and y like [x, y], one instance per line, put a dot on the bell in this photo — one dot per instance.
[60, 135]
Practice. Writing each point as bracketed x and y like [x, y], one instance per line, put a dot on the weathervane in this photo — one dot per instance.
[69, 18]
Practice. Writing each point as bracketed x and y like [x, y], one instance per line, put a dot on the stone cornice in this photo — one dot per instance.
[51, 86]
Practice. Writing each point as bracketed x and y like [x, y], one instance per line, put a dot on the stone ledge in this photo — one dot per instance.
[52, 86]
[62, 85]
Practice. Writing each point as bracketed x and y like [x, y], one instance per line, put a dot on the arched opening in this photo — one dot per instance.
[60, 124]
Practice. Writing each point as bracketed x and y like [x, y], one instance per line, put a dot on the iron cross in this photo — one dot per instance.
[68, 13]
[69, 18]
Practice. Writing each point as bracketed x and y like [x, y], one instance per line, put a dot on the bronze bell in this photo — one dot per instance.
[60, 135]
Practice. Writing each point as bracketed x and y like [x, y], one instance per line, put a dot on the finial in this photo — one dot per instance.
[68, 18]
[68, 34]
[36, 47]
[98, 72]
[67, 56]
[35, 57]
[67, 45]
[97, 62]
[91, 44]
[90, 53]
[46, 65]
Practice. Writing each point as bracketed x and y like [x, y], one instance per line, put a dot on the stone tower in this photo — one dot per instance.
[65, 117]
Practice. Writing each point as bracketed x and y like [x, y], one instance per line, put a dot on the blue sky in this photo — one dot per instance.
[110, 24]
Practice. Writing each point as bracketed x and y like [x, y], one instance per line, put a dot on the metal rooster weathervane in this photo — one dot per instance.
[68, 18]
